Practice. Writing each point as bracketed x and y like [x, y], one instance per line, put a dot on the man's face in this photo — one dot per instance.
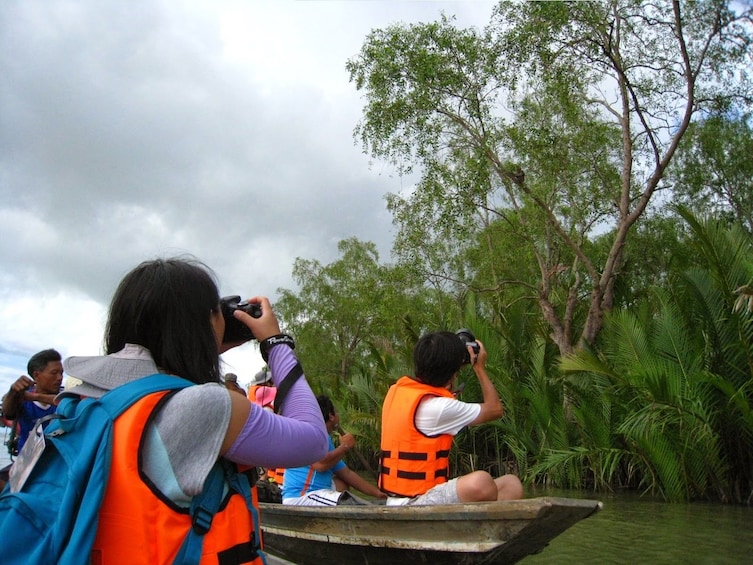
[50, 378]
[332, 422]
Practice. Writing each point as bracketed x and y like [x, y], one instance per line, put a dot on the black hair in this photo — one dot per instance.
[326, 406]
[165, 305]
[437, 357]
[39, 361]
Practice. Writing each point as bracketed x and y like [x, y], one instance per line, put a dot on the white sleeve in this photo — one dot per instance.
[441, 415]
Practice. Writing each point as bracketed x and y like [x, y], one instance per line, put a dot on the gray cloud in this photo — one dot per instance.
[142, 129]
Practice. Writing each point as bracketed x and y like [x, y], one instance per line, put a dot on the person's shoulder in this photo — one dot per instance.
[458, 406]
[439, 402]
[441, 415]
[199, 397]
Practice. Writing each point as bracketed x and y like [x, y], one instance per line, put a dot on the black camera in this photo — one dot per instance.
[234, 330]
[467, 337]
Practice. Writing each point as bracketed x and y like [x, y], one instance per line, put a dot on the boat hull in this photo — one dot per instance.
[487, 532]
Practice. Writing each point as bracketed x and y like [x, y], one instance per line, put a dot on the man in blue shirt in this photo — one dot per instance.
[323, 483]
[32, 397]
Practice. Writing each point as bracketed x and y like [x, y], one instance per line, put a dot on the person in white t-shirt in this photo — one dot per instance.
[420, 418]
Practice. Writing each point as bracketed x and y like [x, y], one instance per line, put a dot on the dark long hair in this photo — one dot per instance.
[164, 305]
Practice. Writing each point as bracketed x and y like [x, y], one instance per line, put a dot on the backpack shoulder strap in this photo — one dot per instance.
[207, 503]
[113, 402]
[203, 508]
[123, 397]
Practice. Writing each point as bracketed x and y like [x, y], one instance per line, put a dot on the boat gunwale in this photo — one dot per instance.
[526, 508]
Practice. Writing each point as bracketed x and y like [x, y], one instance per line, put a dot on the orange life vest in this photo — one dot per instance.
[276, 474]
[411, 462]
[138, 525]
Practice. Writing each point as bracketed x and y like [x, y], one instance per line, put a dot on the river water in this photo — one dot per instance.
[633, 529]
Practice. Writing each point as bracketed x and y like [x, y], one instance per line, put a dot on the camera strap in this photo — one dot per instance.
[282, 390]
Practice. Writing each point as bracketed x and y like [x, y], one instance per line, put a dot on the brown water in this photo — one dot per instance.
[632, 529]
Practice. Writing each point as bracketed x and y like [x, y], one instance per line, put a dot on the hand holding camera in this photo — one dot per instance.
[467, 337]
[235, 330]
[249, 319]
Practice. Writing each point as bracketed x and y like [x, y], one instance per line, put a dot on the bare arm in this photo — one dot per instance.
[16, 395]
[40, 397]
[491, 407]
[359, 483]
[347, 441]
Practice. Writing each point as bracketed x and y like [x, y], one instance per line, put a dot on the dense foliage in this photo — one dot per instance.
[553, 149]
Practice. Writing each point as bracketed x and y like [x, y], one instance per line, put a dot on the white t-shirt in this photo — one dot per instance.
[441, 415]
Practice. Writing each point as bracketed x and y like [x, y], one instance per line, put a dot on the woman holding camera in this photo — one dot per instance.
[166, 317]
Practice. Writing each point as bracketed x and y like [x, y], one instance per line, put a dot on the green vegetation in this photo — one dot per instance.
[584, 206]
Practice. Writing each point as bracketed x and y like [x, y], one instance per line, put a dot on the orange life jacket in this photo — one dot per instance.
[411, 462]
[138, 525]
[276, 474]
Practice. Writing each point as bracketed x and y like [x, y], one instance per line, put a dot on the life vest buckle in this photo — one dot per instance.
[202, 520]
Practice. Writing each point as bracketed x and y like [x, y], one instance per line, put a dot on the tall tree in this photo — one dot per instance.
[342, 309]
[714, 169]
[559, 119]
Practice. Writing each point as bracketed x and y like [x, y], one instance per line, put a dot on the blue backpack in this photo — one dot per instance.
[53, 518]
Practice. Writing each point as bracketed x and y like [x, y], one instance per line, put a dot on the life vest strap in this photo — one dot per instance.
[240, 553]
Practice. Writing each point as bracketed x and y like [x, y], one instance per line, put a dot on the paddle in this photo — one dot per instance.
[361, 458]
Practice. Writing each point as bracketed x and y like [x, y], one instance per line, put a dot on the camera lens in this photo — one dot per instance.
[467, 337]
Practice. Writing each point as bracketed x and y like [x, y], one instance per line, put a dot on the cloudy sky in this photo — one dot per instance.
[153, 128]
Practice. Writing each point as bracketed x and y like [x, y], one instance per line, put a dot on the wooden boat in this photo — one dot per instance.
[486, 532]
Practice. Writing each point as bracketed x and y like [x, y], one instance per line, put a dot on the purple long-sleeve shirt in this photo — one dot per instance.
[296, 437]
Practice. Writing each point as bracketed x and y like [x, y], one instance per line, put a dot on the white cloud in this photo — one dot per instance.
[221, 129]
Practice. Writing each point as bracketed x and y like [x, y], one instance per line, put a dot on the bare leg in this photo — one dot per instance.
[509, 487]
[478, 486]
